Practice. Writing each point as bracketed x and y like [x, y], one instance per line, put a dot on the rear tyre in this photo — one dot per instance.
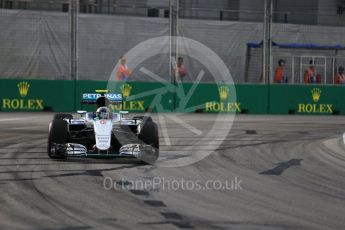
[58, 134]
[61, 116]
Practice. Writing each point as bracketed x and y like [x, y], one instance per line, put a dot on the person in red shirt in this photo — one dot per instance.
[340, 76]
[180, 70]
[123, 71]
[279, 74]
[310, 75]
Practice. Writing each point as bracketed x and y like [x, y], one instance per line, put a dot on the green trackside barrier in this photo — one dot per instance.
[65, 96]
[205, 97]
[184, 98]
[36, 95]
[222, 98]
[253, 98]
[307, 99]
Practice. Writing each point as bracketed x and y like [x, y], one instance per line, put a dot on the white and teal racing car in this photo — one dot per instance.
[103, 133]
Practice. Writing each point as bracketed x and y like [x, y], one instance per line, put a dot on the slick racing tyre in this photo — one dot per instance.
[149, 132]
[61, 116]
[58, 134]
[149, 135]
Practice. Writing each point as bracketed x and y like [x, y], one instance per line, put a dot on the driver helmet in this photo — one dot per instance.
[103, 113]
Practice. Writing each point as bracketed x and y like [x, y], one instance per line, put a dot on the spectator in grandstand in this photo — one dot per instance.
[180, 70]
[340, 76]
[310, 75]
[123, 71]
[279, 76]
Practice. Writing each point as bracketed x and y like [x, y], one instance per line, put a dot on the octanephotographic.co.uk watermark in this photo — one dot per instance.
[162, 184]
[172, 95]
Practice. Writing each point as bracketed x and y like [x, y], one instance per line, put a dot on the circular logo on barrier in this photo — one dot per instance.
[186, 133]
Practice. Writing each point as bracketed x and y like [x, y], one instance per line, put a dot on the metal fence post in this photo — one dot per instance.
[73, 29]
[267, 42]
[174, 8]
[173, 34]
[267, 49]
[293, 69]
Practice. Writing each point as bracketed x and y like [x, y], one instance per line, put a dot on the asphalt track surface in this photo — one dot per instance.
[290, 172]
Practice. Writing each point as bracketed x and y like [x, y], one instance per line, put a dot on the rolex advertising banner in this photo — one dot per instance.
[307, 99]
[65, 96]
[222, 98]
[36, 95]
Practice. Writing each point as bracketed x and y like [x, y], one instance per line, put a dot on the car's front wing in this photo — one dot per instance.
[140, 151]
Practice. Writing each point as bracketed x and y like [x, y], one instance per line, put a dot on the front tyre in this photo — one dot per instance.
[149, 135]
[61, 116]
[57, 139]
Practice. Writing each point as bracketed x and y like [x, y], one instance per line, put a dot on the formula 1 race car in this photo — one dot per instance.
[103, 133]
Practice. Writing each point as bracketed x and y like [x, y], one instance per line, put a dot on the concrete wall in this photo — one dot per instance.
[312, 12]
[296, 11]
[218, 10]
[256, 6]
[327, 8]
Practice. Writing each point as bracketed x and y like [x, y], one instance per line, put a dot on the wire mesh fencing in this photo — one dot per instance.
[40, 41]
[34, 44]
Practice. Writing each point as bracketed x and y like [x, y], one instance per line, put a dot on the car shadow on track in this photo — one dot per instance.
[116, 161]
[89, 172]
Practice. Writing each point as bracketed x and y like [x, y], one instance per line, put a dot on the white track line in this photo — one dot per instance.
[17, 118]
